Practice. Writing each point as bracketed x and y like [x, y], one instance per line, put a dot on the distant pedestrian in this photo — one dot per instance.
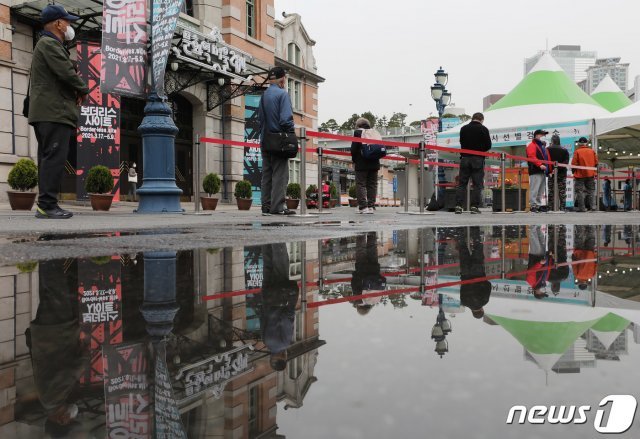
[132, 178]
[628, 195]
[276, 116]
[607, 201]
[538, 169]
[473, 136]
[560, 155]
[366, 171]
[56, 92]
[585, 185]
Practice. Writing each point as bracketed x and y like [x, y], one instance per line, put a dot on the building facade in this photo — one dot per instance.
[205, 102]
[571, 58]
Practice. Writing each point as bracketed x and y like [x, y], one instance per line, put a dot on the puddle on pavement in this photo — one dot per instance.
[376, 335]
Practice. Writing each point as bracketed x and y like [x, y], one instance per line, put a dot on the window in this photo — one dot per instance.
[293, 54]
[187, 8]
[294, 172]
[295, 93]
[253, 411]
[251, 18]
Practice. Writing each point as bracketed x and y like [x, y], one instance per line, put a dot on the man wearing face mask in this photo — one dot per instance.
[538, 169]
[55, 94]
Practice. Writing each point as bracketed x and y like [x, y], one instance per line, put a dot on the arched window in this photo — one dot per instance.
[293, 54]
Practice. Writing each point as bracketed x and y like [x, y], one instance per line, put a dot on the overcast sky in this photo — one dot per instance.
[381, 55]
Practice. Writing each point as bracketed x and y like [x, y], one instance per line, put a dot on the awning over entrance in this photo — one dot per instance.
[89, 11]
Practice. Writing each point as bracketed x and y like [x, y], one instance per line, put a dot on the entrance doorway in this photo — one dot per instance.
[183, 118]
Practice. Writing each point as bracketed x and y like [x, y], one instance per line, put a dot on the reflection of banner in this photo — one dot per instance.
[99, 126]
[124, 41]
[253, 277]
[167, 423]
[252, 156]
[165, 18]
[126, 389]
[100, 313]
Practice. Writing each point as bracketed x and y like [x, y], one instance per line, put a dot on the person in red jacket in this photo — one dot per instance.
[585, 184]
[538, 169]
[584, 255]
[539, 264]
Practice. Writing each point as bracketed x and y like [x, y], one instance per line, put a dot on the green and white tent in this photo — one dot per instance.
[609, 95]
[609, 328]
[545, 97]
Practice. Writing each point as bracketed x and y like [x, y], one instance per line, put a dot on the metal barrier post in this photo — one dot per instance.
[196, 180]
[594, 141]
[406, 187]
[502, 251]
[320, 193]
[556, 192]
[503, 192]
[303, 280]
[468, 203]
[421, 182]
[634, 192]
[520, 209]
[303, 174]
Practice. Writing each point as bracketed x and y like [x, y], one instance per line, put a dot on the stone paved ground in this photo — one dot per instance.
[23, 237]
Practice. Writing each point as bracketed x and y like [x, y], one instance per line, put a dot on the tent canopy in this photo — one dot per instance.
[609, 95]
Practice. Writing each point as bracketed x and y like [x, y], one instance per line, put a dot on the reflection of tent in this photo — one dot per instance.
[545, 96]
[608, 328]
[609, 95]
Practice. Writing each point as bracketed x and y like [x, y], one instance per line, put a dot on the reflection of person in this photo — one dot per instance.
[538, 171]
[471, 252]
[55, 94]
[606, 194]
[584, 255]
[560, 155]
[367, 278]
[54, 340]
[276, 116]
[279, 299]
[473, 136]
[539, 263]
[132, 178]
[366, 171]
[584, 182]
[606, 235]
[558, 244]
[627, 194]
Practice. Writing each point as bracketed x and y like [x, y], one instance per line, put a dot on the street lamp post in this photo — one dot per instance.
[442, 98]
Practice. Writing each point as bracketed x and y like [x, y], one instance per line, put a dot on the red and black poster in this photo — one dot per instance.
[124, 47]
[127, 393]
[99, 125]
[100, 314]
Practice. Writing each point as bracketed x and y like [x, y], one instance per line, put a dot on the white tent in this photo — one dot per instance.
[609, 95]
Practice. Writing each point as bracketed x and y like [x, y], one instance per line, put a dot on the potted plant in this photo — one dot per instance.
[353, 196]
[211, 186]
[23, 177]
[510, 197]
[334, 195]
[293, 196]
[99, 184]
[243, 194]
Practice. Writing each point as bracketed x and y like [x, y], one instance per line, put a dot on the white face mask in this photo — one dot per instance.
[69, 34]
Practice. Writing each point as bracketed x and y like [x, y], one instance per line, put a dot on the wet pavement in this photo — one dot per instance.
[421, 332]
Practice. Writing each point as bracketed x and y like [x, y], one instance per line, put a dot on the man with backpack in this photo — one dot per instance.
[473, 136]
[366, 160]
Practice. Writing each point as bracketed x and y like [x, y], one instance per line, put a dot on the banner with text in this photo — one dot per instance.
[98, 138]
[163, 25]
[124, 47]
[253, 156]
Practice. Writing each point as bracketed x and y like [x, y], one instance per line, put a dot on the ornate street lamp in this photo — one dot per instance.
[440, 94]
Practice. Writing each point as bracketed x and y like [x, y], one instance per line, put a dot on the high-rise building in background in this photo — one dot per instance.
[572, 59]
[489, 100]
[618, 71]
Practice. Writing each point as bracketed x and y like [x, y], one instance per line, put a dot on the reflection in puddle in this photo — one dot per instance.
[220, 342]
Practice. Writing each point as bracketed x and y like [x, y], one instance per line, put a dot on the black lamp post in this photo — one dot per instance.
[440, 94]
[440, 330]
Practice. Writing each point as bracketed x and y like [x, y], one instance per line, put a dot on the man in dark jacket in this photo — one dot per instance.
[474, 136]
[276, 116]
[474, 295]
[366, 171]
[561, 156]
[55, 94]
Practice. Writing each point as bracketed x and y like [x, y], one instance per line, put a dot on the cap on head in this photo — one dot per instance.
[56, 12]
[478, 313]
[539, 294]
[363, 123]
[583, 141]
[538, 132]
[277, 73]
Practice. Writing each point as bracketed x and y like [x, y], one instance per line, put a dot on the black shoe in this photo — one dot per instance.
[475, 211]
[266, 213]
[55, 213]
[533, 209]
[285, 212]
[458, 210]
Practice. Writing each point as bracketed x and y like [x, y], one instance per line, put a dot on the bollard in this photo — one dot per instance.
[196, 180]
[421, 151]
[303, 174]
[503, 192]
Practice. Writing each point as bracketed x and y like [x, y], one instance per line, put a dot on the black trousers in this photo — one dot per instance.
[53, 148]
[471, 168]
[366, 188]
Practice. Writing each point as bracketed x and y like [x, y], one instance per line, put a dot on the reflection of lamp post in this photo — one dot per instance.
[440, 330]
[440, 94]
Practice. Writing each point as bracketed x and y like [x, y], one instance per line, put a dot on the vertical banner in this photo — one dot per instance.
[253, 156]
[167, 422]
[99, 125]
[100, 314]
[124, 47]
[126, 388]
[253, 277]
[163, 25]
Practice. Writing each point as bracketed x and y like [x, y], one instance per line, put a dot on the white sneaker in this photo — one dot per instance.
[369, 211]
[362, 211]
